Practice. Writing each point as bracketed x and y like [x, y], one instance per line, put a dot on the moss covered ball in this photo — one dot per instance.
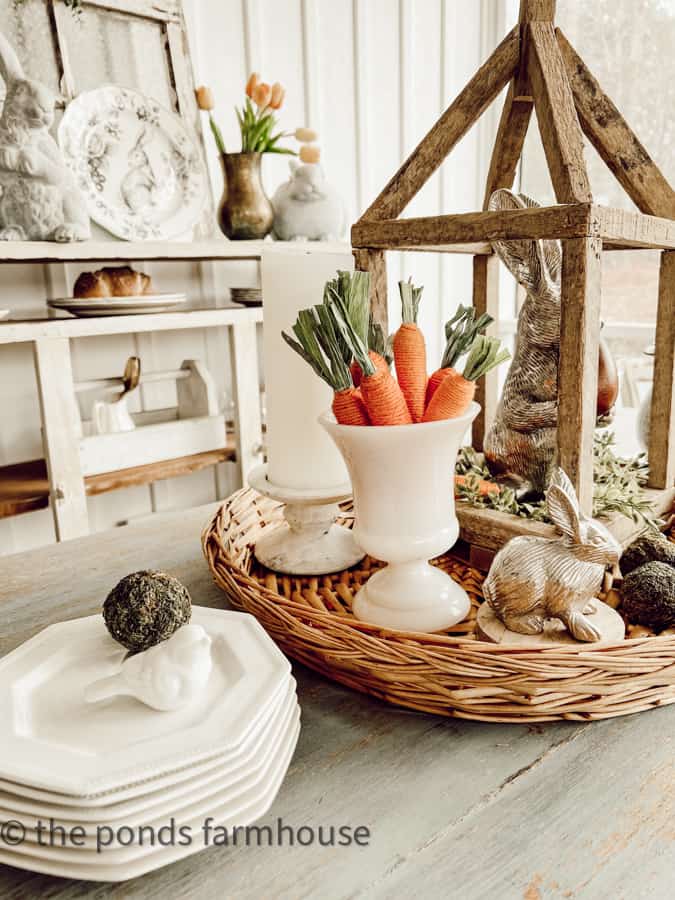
[651, 546]
[145, 608]
[648, 596]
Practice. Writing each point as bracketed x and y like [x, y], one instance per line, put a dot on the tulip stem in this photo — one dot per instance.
[217, 134]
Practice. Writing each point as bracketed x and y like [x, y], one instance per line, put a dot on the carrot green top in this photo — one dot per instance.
[460, 333]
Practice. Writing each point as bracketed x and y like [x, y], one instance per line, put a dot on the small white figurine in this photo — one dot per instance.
[306, 207]
[166, 677]
[39, 197]
[535, 578]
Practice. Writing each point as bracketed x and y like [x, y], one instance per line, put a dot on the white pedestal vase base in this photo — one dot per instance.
[309, 542]
[413, 596]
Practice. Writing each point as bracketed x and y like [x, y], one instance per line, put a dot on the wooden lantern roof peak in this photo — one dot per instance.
[545, 73]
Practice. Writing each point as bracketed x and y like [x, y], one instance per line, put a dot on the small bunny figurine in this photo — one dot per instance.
[533, 578]
[39, 198]
[306, 207]
[166, 677]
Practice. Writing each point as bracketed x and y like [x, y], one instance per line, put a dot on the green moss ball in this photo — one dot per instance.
[648, 596]
[145, 608]
[651, 546]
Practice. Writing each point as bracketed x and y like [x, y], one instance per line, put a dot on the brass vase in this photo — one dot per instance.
[245, 212]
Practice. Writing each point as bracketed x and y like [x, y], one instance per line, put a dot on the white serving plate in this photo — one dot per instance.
[138, 166]
[222, 772]
[93, 748]
[118, 306]
[138, 791]
[242, 812]
[186, 808]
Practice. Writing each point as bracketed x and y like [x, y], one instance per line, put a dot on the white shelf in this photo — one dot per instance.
[12, 332]
[123, 251]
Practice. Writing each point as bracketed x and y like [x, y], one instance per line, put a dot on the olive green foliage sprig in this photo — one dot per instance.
[618, 485]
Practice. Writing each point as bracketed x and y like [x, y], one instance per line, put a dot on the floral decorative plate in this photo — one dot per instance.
[137, 164]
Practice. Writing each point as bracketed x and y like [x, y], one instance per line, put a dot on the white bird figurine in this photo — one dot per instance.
[166, 677]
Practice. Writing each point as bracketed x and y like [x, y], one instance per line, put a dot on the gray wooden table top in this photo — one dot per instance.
[455, 809]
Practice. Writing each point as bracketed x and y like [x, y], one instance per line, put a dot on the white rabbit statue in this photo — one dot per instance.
[306, 207]
[39, 198]
[534, 578]
[168, 676]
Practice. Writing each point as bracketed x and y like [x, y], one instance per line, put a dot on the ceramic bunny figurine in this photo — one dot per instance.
[521, 446]
[166, 677]
[39, 198]
[306, 207]
[533, 578]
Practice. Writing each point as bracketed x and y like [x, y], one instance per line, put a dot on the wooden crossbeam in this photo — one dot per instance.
[558, 123]
[615, 142]
[458, 118]
[466, 228]
[633, 229]
[509, 141]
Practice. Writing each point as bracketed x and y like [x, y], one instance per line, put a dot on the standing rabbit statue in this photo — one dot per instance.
[306, 207]
[534, 578]
[521, 446]
[39, 198]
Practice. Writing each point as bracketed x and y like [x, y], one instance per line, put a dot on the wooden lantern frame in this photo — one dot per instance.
[544, 72]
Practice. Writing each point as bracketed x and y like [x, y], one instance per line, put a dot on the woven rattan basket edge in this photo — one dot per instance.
[443, 674]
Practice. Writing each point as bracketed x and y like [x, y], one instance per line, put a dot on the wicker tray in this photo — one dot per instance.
[450, 674]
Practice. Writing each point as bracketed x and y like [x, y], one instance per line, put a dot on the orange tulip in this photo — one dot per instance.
[205, 99]
[278, 94]
[262, 94]
[253, 81]
[309, 153]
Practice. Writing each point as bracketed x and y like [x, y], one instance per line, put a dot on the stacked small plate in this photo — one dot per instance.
[109, 791]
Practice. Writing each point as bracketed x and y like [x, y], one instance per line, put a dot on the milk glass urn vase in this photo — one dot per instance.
[403, 482]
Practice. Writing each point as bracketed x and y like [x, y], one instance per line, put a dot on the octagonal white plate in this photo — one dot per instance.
[185, 809]
[138, 166]
[55, 741]
[249, 807]
[136, 792]
[222, 772]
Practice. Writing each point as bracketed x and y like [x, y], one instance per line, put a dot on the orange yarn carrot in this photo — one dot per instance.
[460, 333]
[484, 487]
[410, 355]
[434, 382]
[349, 408]
[451, 398]
[455, 392]
[384, 399]
[378, 361]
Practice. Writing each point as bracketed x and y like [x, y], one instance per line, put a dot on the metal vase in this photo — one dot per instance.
[245, 212]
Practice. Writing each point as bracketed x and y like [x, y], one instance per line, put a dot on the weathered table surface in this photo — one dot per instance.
[455, 809]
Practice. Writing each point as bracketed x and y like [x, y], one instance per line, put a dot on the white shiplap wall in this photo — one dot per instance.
[371, 76]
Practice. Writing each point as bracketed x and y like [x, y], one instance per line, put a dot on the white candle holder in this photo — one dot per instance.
[309, 542]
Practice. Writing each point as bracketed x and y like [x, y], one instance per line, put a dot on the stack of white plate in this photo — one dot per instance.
[112, 790]
[90, 307]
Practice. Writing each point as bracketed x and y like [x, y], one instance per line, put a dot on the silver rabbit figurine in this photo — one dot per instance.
[534, 578]
[521, 446]
[39, 197]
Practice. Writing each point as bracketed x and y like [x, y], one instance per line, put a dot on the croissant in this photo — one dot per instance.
[113, 281]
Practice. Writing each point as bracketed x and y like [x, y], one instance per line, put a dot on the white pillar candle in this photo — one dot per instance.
[300, 454]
